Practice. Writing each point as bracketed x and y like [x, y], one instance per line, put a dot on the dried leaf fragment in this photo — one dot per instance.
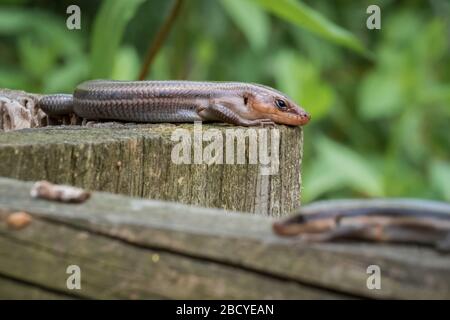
[62, 193]
[18, 220]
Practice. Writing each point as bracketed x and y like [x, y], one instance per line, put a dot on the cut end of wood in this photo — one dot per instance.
[18, 110]
[53, 192]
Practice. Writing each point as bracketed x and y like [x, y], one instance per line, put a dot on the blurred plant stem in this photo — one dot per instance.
[158, 41]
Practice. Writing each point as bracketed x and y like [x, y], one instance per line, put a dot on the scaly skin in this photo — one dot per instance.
[177, 101]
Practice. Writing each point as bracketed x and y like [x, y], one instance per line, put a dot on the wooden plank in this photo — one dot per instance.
[207, 248]
[113, 269]
[14, 290]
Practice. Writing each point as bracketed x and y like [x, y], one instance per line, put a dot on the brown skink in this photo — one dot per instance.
[381, 220]
[236, 103]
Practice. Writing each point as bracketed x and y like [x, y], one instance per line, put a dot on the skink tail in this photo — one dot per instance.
[56, 104]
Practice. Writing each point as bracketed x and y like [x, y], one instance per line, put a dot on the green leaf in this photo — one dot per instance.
[410, 132]
[161, 66]
[320, 179]
[255, 29]
[303, 16]
[14, 21]
[381, 95]
[339, 167]
[52, 33]
[65, 78]
[440, 178]
[300, 79]
[126, 65]
[109, 26]
[14, 78]
[437, 94]
[36, 58]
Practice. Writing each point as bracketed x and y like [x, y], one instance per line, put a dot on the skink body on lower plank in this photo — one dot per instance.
[381, 220]
[236, 103]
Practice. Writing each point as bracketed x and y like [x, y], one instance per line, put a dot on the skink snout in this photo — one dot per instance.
[305, 116]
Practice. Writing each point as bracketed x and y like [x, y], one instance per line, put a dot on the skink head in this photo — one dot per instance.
[277, 106]
[302, 224]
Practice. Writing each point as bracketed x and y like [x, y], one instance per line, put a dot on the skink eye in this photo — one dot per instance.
[280, 104]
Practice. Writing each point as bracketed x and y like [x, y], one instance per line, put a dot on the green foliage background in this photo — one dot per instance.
[379, 99]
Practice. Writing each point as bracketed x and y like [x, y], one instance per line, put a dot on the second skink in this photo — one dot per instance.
[410, 221]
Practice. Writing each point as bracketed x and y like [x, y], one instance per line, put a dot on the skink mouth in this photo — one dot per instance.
[292, 116]
[296, 118]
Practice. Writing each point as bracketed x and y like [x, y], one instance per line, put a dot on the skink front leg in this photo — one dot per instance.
[219, 112]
